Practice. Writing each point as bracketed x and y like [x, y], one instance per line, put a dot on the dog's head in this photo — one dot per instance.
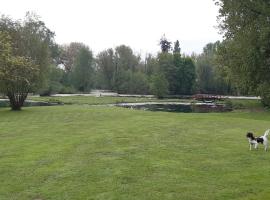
[250, 136]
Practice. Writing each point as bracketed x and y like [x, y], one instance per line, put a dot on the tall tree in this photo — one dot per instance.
[176, 48]
[83, 70]
[68, 54]
[165, 44]
[187, 82]
[125, 60]
[246, 48]
[211, 78]
[106, 66]
[151, 65]
[167, 67]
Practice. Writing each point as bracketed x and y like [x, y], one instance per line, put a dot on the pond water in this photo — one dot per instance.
[177, 107]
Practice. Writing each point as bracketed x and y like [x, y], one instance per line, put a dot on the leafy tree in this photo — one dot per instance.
[167, 67]
[140, 84]
[245, 51]
[54, 83]
[210, 78]
[188, 76]
[18, 74]
[106, 66]
[125, 60]
[205, 75]
[179, 71]
[68, 54]
[83, 70]
[116, 69]
[159, 85]
[123, 81]
[31, 39]
[134, 83]
[151, 65]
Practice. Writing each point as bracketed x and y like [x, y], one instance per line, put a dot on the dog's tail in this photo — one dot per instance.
[266, 133]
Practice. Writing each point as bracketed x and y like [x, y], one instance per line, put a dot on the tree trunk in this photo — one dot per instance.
[16, 100]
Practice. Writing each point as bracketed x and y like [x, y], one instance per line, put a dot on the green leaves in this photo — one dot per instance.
[245, 50]
[159, 85]
[83, 70]
[18, 74]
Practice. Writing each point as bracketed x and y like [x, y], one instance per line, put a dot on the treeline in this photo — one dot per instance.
[31, 60]
[123, 71]
[73, 68]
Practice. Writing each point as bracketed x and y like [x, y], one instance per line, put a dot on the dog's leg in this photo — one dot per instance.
[266, 146]
[256, 146]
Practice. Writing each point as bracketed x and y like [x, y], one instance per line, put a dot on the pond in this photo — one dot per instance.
[177, 107]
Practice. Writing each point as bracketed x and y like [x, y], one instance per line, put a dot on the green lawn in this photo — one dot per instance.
[98, 152]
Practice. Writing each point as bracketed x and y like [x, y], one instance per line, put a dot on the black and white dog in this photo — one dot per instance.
[256, 140]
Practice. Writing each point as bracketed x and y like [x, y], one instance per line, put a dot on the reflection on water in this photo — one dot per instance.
[177, 107]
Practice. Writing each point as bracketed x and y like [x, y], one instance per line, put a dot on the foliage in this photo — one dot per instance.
[18, 75]
[140, 84]
[159, 85]
[151, 65]
[120, 70]
[54, 83]
[165, 45]
[68, 54]
[167, 67]
[82, 73]
[210, 78]
[179, 71]
[188, 75]
[106, 66]
[125, 58]
[246, 50]
[176, 48]
[31, 39]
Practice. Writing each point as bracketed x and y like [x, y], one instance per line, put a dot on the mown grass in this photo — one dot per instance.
[86, 152]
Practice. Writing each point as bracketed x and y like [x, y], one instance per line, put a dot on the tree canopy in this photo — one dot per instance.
[18, 74]
[29, 47]
[246, 48]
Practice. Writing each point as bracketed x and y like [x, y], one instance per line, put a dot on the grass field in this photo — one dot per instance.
[99, 152]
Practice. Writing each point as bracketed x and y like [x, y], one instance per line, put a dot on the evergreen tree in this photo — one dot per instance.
[176, 48]
[165, 45]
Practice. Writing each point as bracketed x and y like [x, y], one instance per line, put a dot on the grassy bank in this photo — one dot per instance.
[84, 152]
[92, 100]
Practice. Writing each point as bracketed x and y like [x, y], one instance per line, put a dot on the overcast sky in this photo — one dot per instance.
[102, 24]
